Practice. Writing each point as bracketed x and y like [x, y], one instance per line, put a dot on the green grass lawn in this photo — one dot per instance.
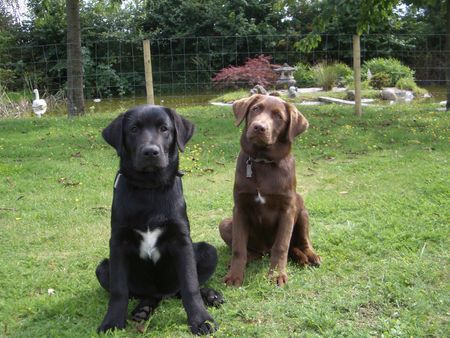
[376, 187]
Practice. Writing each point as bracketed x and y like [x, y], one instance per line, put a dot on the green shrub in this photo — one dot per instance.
[7, 77]
[365, 85]
[380, 80]
[325, 76]
[344, 74]
[304, 75]
[393, 67]
[406, 83]
[105, 80]
[410, 84]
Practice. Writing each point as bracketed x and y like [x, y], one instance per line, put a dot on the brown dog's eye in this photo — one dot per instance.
[277, 115]
[255, 109]
[163, 129]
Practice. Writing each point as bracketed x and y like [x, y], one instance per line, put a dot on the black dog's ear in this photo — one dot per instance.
[113, 134]
[242, 106]
[184, 129]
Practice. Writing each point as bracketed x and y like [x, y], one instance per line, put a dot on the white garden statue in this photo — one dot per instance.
[39, 105]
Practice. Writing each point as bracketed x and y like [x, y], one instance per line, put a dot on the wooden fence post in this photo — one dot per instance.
[357, 73]
[148, 72]
[447, 56]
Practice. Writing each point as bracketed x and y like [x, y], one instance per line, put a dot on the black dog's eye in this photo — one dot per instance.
[163, 129]
[134, 129]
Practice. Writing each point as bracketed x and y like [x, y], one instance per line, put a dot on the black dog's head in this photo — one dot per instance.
[148, 136]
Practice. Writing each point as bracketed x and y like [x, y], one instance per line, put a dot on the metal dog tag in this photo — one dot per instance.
[248, 171]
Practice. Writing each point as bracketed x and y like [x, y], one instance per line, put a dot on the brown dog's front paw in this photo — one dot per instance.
[306, 257]
[314, 260]
[233, 280]
[280, 278]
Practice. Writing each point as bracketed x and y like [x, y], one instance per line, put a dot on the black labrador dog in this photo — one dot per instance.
[151, 252]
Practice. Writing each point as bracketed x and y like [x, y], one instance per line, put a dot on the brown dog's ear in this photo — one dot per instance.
[242, 106]
[113, 134]
[297, 122]
[184, 129]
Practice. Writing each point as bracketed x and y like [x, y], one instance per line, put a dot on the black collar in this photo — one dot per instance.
[141, 183]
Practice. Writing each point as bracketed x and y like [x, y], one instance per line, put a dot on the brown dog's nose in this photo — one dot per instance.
[150, 151]
[259, 127]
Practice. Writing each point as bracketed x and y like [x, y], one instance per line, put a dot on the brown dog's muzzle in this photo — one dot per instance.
[260, 132]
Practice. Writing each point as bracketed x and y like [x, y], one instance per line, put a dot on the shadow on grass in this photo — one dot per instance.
[78, 313]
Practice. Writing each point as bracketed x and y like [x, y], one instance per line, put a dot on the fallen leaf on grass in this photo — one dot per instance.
[51, 291]
[343, 192]
[101, 208]
[140, 328]
[67, 183]
[8, 209]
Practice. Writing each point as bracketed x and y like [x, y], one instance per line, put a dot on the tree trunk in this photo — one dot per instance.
[357, 73]
[447, 52]
[75, 96]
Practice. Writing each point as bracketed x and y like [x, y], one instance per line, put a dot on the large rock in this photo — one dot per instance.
[258, 89]
[388, 94]
[397, 95]
[292, 92]
[350, 95]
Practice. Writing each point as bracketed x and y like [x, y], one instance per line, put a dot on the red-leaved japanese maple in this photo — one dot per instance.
[256, 71]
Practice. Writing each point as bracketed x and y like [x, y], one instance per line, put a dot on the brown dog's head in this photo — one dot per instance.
[269, 119]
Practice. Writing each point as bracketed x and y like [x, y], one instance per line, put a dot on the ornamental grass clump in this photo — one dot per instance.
[325, 76]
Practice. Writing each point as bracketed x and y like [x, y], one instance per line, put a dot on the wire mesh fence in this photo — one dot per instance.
[183, 68]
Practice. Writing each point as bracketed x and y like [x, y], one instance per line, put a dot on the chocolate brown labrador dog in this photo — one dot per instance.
[269, 216]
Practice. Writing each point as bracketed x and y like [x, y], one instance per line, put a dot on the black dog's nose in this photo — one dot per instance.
[150, 151]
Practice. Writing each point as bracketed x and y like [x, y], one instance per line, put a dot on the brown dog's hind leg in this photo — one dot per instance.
[225, 229]
[301, 249]
[226, 232]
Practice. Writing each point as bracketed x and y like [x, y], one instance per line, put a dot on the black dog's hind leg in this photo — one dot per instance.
[144, 309]
[102, 273]
[206, 258]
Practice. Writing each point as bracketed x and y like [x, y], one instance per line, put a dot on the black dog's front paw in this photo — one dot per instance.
[142, 313]
[208, 326]
[111, 325]
[211, 297]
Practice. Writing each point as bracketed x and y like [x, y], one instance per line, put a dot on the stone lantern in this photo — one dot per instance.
[286, 76]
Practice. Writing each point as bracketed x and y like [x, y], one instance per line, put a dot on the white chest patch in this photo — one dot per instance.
[260, 199]
[148, 249]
